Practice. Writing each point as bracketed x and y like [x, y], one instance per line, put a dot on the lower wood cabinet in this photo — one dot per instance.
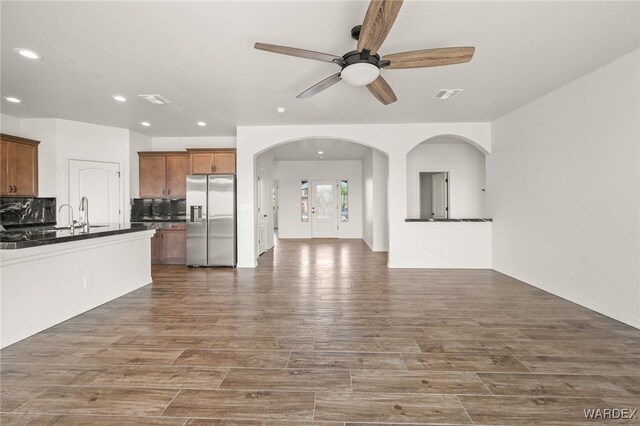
[169, 245]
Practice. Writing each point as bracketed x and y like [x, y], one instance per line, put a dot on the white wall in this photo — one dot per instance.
[367, 195]
[62, 140]
[86, 141]
[396, 140]
[375, 180]
[289, 174]
[467, 177]
[137, 142]
[380, 202]
[44, 130]
[564, 191]
[9, 125]
[179, 144]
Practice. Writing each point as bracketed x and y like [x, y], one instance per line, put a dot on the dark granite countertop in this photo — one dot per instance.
[163, 224]
[450, 220]
[42, 236]
[176, 219]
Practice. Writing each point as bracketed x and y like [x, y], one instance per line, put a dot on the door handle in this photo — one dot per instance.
[169, 192]
[163, 192]
[10, 189]
[15, 189]
[211, 169]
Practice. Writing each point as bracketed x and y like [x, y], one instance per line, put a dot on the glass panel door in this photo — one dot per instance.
[324, 209]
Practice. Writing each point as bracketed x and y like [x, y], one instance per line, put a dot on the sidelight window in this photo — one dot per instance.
[344, 201]
[304, 201]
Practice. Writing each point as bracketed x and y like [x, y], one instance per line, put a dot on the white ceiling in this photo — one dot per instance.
[200, 55]
[307, 149]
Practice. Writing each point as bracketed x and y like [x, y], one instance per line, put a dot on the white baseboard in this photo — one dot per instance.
[594, 306]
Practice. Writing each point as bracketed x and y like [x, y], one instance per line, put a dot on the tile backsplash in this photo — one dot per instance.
[19, 211]
[158, 209]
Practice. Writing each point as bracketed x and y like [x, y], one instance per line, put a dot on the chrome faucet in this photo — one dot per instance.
[72, 222]
[84, 216]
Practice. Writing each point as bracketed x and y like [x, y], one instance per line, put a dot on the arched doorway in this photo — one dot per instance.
[320, 187]
[446, 178]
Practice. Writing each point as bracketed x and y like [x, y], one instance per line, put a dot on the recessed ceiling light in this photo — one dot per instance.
[145, 123]
[29, 54]
[201, 123]
[445, 94]
[120, 98]
[12, 100]
[320, 152]
[281, 110]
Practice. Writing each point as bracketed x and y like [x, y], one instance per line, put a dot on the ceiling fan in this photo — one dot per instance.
[361, 67]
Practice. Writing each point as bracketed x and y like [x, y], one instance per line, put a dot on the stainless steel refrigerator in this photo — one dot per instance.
[211, 220]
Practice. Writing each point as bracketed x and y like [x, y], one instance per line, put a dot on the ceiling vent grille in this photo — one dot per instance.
[155, 99]
[445, 94]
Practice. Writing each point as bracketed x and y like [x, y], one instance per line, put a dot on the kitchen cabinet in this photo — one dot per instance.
[18, 166]
[213, 161]
[169, 245]
[153, 176]
[164, 175]
[155, 249]
[178, 168]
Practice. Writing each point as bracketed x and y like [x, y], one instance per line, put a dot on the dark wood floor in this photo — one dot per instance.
[323, 333]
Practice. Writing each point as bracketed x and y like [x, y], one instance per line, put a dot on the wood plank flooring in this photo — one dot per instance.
[322, 333]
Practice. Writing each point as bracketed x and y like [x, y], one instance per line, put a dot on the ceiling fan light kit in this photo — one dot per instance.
[359, 74]
[362, 66]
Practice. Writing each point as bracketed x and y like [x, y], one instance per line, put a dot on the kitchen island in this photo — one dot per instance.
[50, 275]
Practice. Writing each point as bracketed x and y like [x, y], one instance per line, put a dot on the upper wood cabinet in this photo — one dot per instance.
[205, 162]
[18, 166]
[178, 168]
[163, 175]
[153, 176]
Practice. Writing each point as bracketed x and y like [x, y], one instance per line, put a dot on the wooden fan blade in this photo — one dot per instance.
[430, 57]
[382, 91]
[319, 87]
[301, 53]
[378, 21]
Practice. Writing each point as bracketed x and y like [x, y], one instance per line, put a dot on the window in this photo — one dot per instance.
[304, 201]
[344, 201]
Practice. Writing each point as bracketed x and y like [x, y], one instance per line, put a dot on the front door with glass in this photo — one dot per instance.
[324, 209]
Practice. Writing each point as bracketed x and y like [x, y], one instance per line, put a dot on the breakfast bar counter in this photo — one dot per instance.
[48, 275]
[46, 235]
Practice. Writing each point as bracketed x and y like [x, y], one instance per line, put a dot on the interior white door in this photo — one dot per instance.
[324, 209]
[262, 211]
[440, 197]
[99, 181]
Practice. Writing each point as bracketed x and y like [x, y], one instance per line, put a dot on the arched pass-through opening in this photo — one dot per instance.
[446, 179]
[321, 187]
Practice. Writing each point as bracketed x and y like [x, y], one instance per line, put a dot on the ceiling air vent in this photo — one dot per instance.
[445, 94]
[155, 99]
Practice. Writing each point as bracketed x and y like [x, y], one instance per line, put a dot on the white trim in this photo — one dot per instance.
[634, 322]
